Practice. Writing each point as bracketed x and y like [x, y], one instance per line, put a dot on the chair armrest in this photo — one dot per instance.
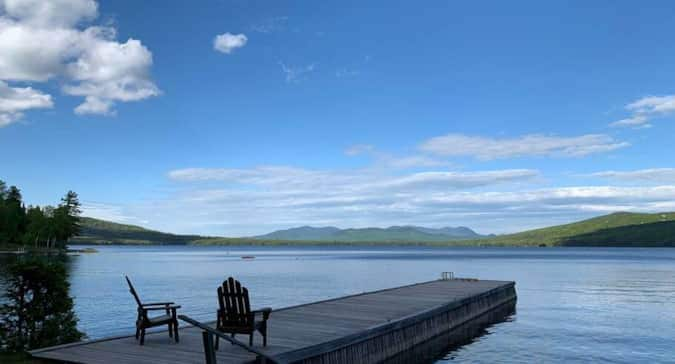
[157, 304]
[172, 307]
[266, 311]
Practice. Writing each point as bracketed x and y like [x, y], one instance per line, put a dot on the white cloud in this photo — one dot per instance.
[51, 13]
[228, 42]
[45, 40]
[15, 100]
[313, 180]
[653, 104]
[108, 71]
[645, 109]
[94, 105]
[525, 146]
[413, 161]
[396, 162]
[30, 53]
[459, 180]
[637, 121]
[296, 74]
[654, 175]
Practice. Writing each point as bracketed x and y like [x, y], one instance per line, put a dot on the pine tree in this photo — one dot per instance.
[71, 203]
[15, 216]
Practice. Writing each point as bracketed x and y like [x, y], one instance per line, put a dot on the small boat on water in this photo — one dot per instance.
[248, 257]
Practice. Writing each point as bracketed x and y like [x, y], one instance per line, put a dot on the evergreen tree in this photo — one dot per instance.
[15, 216]
[38, 311]
[37, 230]
[71, 204]
[3, 213]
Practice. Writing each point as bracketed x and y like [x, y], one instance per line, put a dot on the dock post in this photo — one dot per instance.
[209, 353]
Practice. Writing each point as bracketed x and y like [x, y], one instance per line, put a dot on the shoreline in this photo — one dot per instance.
[379, 244]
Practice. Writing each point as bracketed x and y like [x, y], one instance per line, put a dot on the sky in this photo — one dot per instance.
[239, 117]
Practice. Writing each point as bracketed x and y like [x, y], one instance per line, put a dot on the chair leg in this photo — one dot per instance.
[250, 339]
[138, 332]
[264, 335]
[142, 336]
[175, 333]
[217, 342]
[171, 329]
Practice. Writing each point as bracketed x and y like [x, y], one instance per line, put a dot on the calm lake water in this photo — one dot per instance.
[574, 304]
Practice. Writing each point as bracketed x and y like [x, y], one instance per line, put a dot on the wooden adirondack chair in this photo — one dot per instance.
[235, 315]
[143, 321]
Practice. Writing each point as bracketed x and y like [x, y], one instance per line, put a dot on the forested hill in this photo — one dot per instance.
[390, 234]
[617, 229]
[95, 231]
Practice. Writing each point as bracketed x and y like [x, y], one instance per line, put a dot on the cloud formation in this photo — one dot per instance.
[15, 100]
[645, 109]
[228, 42]
[293, 178]
[387, 160]
[45, 40]
[654, 175]
[296, 73]
[484, 148]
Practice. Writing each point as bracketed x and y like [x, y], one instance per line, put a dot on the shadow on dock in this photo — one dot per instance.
[444, 345]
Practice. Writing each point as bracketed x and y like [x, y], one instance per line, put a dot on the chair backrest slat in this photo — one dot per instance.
[234, 303]
[133, 291]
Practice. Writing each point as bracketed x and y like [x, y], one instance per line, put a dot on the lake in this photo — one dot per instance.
[574, 304]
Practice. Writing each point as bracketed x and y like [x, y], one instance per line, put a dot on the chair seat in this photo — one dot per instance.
[160, 320]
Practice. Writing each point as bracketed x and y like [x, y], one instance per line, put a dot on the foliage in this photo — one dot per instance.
[655, 234]
[559, 235]
[95, 231]
[35, 226]
[38, 311]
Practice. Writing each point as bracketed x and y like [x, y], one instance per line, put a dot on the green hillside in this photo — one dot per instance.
[95, 231]
[596, 230]
[656, 234]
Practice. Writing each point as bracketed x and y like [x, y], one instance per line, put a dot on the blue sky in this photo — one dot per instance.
[241, 117]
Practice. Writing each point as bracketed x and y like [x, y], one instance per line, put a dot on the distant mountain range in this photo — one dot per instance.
[617, 229]
[390, 234]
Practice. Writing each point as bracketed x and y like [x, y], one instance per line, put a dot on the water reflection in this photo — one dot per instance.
[443, 347]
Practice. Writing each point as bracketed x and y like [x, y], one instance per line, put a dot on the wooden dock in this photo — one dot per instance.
[371, 327]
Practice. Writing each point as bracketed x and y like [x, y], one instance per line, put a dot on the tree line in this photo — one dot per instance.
[35, 226]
